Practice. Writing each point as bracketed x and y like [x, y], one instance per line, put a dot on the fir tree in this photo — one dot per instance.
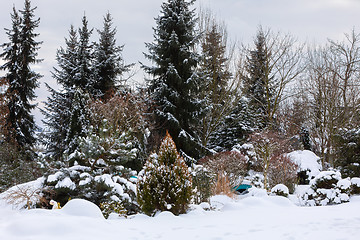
[20, 53]
[64, 108]
[235, 128]
[84, 77]
[348, 152]
[67, 61]
[109, 64]
[165, 183]
[174, 84]
[79, 123]
[257, 85]
[216, 94]
[56, 113]
[58, 106]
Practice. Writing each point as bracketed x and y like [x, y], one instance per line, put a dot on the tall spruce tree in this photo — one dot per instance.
[216, 93]
[109, 64]
[20, 53]
[58, 106]
[174, 84]
[65, 108]
[79, 123]
[84, 79]
[257, 85]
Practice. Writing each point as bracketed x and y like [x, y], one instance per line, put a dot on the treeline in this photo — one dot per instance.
[209, 94]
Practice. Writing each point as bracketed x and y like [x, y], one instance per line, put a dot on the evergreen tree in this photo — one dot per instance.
[79, 123]
[56, 113]
[174, 84]
[235, 128]
[165, 183]
[68, 62]
[58, 106]
[257, 85]
[216, 93]
[84, 77]
[20, 53]
[11, 55]
[348, 152]
[109, 64]
[64, 108]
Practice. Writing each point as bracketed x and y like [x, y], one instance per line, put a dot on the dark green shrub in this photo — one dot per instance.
[203, 182]
[165, 183]
[112, 207]
[280, 190]
[355, 185]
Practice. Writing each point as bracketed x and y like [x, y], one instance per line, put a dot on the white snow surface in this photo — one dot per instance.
[247, 217]
[306, 160]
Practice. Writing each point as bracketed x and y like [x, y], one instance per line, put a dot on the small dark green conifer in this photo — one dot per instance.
[165, 183]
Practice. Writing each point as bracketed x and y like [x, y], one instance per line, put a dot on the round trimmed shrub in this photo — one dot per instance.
[280, 190]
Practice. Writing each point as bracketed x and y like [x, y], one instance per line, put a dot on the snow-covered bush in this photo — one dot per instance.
[280, 190]
[112, 206]
[325, 189]
[355, 185]
[82, 182]
[309, 164]
[203, 181]
[107, 148]
[326, 179]
[165, 183]
[344, 185]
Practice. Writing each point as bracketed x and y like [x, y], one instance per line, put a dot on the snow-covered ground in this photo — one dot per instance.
[252, 217]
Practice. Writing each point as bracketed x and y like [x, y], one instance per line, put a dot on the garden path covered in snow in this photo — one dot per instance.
[253, 217]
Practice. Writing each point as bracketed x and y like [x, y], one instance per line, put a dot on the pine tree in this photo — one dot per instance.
[58, 106]
[348, 152]
[64, 108]
[165, 183]
[67, 60]
[174, 84]
[11, 55]
[235, 128]
[216, 93]
[56, 113]
[109, 64]
[257, 85]
[84, 79]
[79, 123]
[20, 53]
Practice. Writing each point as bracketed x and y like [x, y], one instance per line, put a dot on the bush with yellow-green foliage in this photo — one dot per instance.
[165, 183]
[112, 207]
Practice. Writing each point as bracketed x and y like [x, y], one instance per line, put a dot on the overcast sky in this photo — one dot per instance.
[308, 20]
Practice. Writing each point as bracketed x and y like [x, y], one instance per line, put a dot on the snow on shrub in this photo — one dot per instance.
[280, 190]
[326, 188]
[165, 183]
[355, 185]
[203, 181]
[344, 185]
[97, 187]
[308, 163]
